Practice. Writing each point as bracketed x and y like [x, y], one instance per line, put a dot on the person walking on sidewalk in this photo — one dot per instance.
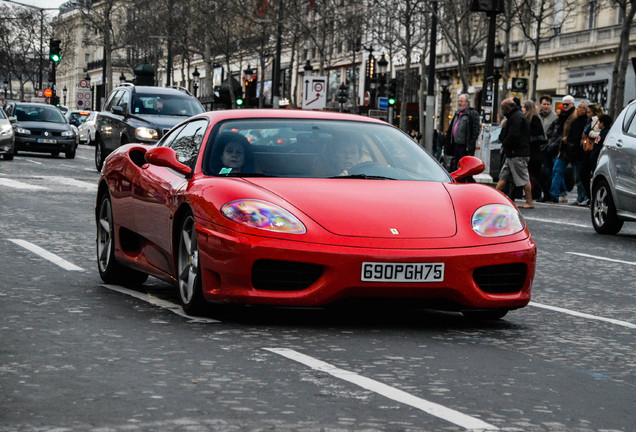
[461, 138]
[558, 189]
[515, 144]
[549, 122]
[537, 141]
[576, 155]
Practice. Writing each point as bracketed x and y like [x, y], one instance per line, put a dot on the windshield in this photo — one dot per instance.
[81, 116]
[309, 148]
[39, 114]
[165, 104]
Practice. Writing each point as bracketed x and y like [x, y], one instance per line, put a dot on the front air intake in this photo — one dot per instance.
[501, 279]
[275, 275]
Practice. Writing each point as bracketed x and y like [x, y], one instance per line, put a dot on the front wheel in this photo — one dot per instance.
[70, 154]
[109, 269]
[603, 209]
[188, 270]
[7, 156]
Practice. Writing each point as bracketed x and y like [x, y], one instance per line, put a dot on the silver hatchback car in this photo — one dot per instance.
[614, 180]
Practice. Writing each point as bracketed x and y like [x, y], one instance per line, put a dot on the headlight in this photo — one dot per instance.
[497, 220]
[22, 131]
[146, 133]
[5, 130]
[68, 133]
[262, 215]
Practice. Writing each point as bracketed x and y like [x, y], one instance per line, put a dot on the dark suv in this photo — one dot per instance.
[140, 115]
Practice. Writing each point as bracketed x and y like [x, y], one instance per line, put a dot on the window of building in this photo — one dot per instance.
[592, 13]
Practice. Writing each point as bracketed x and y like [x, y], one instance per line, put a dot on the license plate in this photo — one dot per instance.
[46, 141]
[402, 272]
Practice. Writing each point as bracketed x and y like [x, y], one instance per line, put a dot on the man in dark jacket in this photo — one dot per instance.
[461, 138]
[515, 144]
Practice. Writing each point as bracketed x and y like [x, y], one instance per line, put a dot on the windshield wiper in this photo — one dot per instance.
[362, 176]
[245, 175]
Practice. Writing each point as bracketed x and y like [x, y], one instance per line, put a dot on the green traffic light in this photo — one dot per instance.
[55, 58]
[239, 102]
[391, 101]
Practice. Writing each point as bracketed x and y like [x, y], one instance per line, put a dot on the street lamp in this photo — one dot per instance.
[196, 76]
[64, 92]
[122, 78]
[498, 61]
[87, 78]
[382, 65]
[444, 82]
[308, 68]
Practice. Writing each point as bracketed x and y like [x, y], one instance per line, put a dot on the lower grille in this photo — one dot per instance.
[275, 275]
[501, 279]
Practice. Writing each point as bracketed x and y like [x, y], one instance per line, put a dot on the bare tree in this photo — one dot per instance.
[626, 12]
[464, 32]
[540, 21]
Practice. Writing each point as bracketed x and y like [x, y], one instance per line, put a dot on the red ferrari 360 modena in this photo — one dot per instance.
[307, 208]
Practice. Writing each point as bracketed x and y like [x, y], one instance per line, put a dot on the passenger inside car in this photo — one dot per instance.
[232, 153]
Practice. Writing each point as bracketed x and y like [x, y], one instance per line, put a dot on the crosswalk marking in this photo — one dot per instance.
[51, 181]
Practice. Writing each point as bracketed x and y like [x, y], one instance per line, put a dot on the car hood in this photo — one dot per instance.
[160, 121]
[370, 208]
[55, 127]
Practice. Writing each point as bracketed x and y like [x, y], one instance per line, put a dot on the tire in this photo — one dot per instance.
[70, 154]
[188, 269]
[99, 153]
[55, 154]
[603, 210]
[110, 270]
[485, 315]
[7, 156]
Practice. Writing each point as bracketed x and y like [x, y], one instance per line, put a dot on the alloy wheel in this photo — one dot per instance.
[188, 261]
[104, 235]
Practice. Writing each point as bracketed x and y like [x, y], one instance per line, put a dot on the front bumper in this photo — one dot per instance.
[26, 143]
[227, 267]
[7, 144]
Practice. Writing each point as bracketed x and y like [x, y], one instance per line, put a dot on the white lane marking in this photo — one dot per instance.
[440, 411]
[19, 185]
[603, 258]
[164, 304]
[584, 315]
[72, 182]
[33, 161]
[46, 255]
[557, 222]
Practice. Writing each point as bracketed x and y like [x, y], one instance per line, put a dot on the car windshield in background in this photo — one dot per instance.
[39, 114]
[78, 116]
[167, 105]
[318, 149]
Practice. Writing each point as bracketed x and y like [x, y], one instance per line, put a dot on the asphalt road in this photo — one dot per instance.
[77, 355]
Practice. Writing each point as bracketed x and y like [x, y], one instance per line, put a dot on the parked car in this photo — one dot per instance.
[7, 138]
[140, 114]
[76, 117]
[339, 206]
[41, 128]
[87, 129]
[613, 200]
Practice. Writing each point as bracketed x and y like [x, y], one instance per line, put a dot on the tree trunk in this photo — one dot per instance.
[621, 61]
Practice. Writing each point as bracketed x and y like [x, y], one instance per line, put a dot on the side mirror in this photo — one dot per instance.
[166, 157]
[117, 110]
[468, 166]
[13, 119]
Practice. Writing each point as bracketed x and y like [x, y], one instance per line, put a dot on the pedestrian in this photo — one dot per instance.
[591, 131]
[576, 155]
[538, 140]
[605, 123]
[515, 144]
[567, 114]
[549, 123]
[461, 138]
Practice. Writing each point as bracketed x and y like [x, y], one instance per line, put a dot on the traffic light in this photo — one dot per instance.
[54, 50]
[392, 89]
[343, 93]
[239, 101]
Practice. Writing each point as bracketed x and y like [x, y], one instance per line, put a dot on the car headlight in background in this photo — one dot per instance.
[263, 215]
[5, 130]
[497, 220]
[146, 133]
[22, 131]
[68, 133]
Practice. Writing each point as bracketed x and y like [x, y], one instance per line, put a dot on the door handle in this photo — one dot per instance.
[619, 143]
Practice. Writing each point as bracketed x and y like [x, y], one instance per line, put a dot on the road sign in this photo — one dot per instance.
[83, 98]
[48, 92]
[379, 114]
[40, 93]
[83, 84]
[383, 103]
[367, 98]
[315, 92]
